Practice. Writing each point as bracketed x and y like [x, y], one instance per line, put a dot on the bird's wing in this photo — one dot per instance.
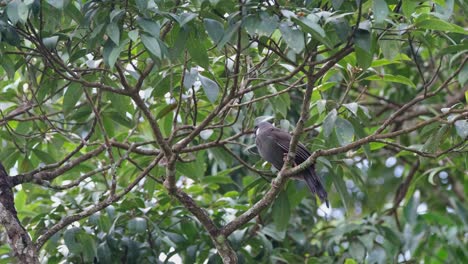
[311, 178]
[301, 151]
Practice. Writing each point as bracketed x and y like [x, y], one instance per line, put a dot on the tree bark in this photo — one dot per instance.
[18, 239]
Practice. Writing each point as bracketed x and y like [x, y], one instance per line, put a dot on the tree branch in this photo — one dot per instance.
[18, 239]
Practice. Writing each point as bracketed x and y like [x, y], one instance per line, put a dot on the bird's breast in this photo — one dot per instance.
[269, 150]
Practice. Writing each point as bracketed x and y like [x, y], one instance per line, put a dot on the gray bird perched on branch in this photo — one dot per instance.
[273, 146]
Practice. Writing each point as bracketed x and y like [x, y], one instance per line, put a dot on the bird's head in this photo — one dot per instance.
[262, 126]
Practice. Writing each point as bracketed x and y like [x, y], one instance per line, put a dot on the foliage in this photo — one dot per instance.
[126, 128]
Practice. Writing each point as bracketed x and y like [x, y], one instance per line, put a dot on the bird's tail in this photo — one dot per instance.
[315, 184]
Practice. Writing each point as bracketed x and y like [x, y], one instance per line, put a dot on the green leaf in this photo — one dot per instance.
[337, 4]
[133, 35]
[104, 254]
[96, 36]
[206, 134]
[281, 212]
[137, 225]
[71, 97]
[197, 50]
[217, 179]
[195, 189]
[325, 86]
[390, 235]
[344, 131]
[10, 70]
[409, 7]
[463, 77]
[20, 200]
[341, 27]
[119, 118]
[232, 194]
[383, 62]
[193, 170]
[151, 44]
[166, 109]
[149, 26]
[50, 42]
[179, 46]
[162, 86]
[222, 177]
[116, 15]
[88, 245]
[462, 128]
[321, 106]
[43, 156]
[229, 34]
[391, 78]
[11, 158]
[445, 10]
[190, 78]
[70, 239]
[185, 17]
[251, 23]
[268, 24]
[109, 125]
[363, 40]
[210, 87]
[380, 10]
[17, 11]
[364, 58]
[59, 4]
[357, 251]
[390, 48]
[311, 26]
[261, 26]
[434, 23]
[338, 181]
[293, 37]
[461, 211]
[363, 50]
[111, 53]
[329, 122]
[368, 240]
[352, 107]
[104, 222]
[119, 103]
[46, 89]
[215, 29]
[271, 231]
[143, 4]
[113, 32]
[25, 165]
[434, 141]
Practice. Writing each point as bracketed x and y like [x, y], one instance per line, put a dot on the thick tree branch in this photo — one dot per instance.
[20, 242]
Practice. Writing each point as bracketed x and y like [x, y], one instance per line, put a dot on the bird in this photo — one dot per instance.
[273, 146]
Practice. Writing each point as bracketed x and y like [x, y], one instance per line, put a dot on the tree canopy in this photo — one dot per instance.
[127, 131]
